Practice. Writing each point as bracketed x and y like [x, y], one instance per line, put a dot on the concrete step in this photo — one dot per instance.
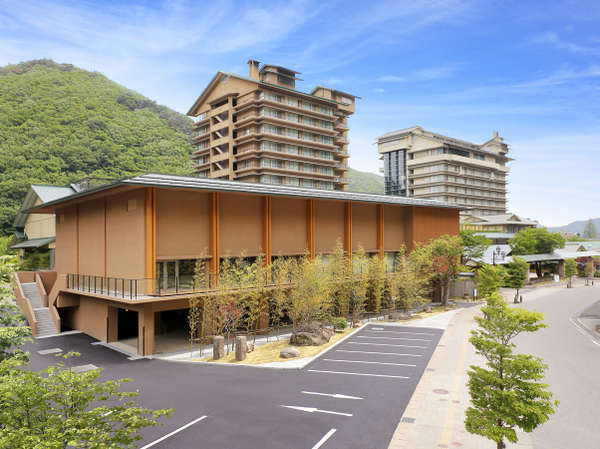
[30, 290]
[45, 322]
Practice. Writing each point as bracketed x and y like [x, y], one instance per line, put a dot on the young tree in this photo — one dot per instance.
[517, 273]
[588, 271]
[194, 318]
[570, 271]
[60, 408]
[340, 273]
[279, 295]
[590, 231]
[410, 279]
[489, 279]
[474, 245]
[376, 285]
[360, 284]
[309, 298]
[441, 256]
[508, 393]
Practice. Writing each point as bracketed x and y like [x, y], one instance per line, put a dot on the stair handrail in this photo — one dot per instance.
[24, 303]
[41, 289]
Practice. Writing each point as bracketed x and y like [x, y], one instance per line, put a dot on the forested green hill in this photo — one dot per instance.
[59, 123]
[361, 181]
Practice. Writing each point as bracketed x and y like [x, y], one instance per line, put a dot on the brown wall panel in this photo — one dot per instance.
[91, 238]
[329, 225]
[90, 317]
[66, 240]
[431, 222]
[288, 226]
[241, 224]
[125, 235]
[364, 226]
[394, 227]
[182, 224]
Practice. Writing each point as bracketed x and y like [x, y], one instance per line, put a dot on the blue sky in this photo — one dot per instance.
[529, 69]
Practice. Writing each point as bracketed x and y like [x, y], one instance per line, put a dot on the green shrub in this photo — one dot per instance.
[340, 322]
[597, 274]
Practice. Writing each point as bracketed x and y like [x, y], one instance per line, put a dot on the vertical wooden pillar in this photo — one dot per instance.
[380, 230]
[215, 212]
[112, 324]
[146, 330]
[266, 243]
[310, 227]
[77, 239]
[105, 238]
[348, 228]
[150, 230]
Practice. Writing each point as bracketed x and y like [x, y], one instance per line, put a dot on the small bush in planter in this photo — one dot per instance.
[340, 323]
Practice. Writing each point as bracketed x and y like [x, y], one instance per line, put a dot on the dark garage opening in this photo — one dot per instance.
[127, 324]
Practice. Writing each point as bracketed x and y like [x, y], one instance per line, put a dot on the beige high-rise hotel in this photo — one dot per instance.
[423, 164]
[261, 129]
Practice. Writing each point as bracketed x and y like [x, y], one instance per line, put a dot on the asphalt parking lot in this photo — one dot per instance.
[352, 396]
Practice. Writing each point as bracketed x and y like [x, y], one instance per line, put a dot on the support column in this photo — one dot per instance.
[380, 230]
[310, 228]
[146, 330]
[266, 243]
[215, 252]
[112, 324]
[348, 229]
[150, 239]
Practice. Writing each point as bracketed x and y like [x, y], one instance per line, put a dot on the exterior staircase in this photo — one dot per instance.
[42, 314]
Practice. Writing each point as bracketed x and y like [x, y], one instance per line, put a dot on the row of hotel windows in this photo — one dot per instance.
[286, 180]
[459, 180]
[292, 165]
[453, 151]
[467, 191]
[292, 101]
[275, 113]
[293, 149]
[468, 201]
[456, 169]
[295, 134]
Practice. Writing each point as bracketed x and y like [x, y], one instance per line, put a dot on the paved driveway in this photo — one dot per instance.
[350, 397]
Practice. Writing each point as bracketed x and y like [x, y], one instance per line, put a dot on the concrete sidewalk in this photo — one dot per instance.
[434, 417]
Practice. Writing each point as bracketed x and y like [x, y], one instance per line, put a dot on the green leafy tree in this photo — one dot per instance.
[375, 289]
[489, 279]
[536, 241]
[13, 330]
[517, 273]
[474, 245]
[59, 408]
[441, 256]
[590, 231]
[410, 279]
[508, 393]
[340, 273]
[359, 283]
[279, 294]
[570, 271]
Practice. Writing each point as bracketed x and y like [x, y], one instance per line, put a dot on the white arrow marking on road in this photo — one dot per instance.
[315, 410]
[336, 395]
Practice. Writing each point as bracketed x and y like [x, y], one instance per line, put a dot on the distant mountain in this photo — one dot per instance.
[59, 123]
[576, 226]
[365, 182]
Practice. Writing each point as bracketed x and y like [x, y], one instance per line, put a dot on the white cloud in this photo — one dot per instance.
[426, 74]
[554, 40]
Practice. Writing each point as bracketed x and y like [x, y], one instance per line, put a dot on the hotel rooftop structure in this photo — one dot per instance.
[259, 128]
[423, 164]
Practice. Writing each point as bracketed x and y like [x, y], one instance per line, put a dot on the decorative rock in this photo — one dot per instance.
[218, 347]
[289, 353]
[250, 347]
[311, 335]
[428, 309]
[241, 347]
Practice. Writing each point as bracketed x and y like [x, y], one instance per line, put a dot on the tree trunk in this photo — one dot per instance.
[516, 300]
[500, 445]
[538, 269]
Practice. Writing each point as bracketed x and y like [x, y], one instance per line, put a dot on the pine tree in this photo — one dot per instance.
[590, 231]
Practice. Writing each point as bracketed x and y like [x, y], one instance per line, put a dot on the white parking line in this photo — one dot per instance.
[331, 395]
[84, 368]
[49, 351]
[393, 338]
[401, 333]
[372, 363]
[174, 432]
[375, 328]
[355, 374]
[324, 439]
[316, 410]
[379, 353]
[385, 344]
